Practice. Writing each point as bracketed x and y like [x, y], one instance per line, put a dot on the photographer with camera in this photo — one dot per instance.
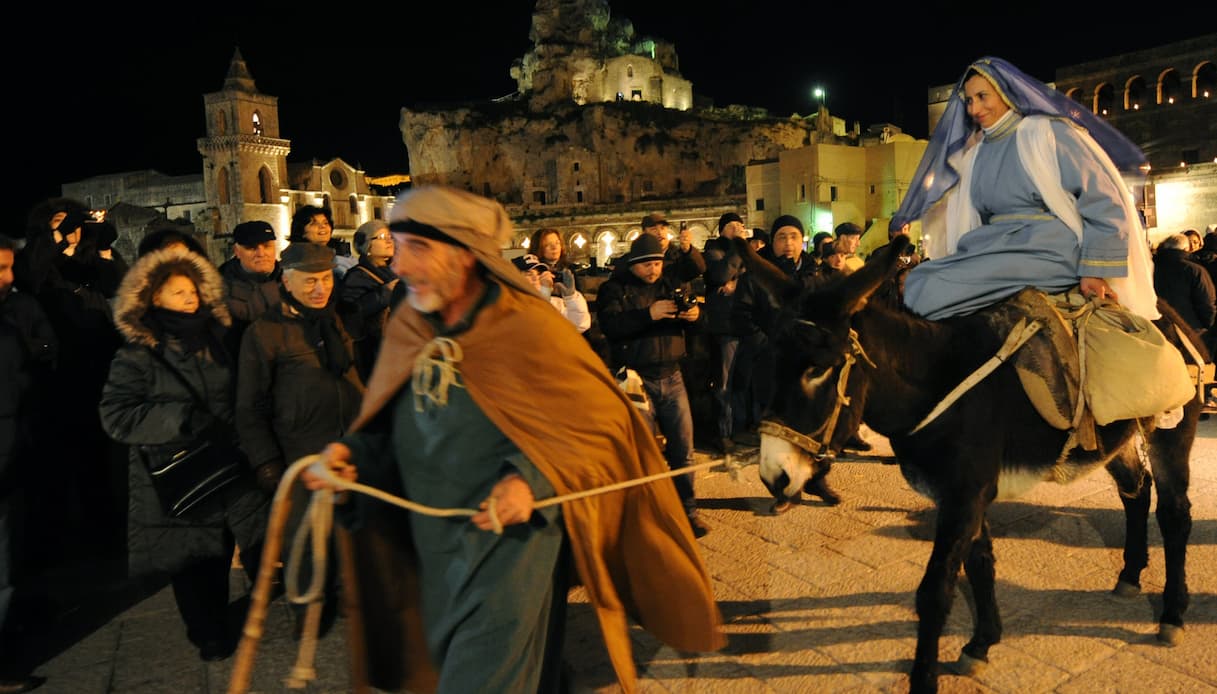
[644, 314]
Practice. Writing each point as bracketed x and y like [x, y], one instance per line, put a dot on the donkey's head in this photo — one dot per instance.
[820, 373]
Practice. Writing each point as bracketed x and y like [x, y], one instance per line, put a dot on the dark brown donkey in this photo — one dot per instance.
[842, 360]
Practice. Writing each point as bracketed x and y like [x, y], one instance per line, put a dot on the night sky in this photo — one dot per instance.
[121, 91]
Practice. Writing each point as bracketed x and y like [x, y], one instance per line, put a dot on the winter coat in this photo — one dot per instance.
[653, 348]
[724, 266]
[143, 403]
[27, 353]
[289, 405]
[1186, 286]
[364, 304]
[248, 296]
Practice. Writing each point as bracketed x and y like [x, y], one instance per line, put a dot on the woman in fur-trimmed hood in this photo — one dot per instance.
[171, 312]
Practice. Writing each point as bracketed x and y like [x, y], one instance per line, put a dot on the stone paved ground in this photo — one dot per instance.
[817, 600]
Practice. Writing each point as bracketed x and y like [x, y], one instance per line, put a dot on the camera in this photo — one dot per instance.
[684, 301]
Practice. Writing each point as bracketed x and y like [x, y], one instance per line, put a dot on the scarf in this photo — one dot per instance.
[193, 331]
[322, 331]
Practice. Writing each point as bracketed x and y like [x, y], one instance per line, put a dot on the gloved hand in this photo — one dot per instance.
[566, 286]
[104, 234]
[268, 475]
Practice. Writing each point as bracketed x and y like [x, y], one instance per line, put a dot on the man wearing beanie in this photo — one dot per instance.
[251, 276]
[453, 418]
[642, 315]
[681, 261]
[755, 313]
[724, 265]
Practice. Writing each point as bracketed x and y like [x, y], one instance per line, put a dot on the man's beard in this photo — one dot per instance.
[443, 289]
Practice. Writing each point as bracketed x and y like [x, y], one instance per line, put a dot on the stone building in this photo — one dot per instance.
[245, 176]
[827, 184]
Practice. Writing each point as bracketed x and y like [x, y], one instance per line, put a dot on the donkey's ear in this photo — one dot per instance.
[770, 276]
[879, 268]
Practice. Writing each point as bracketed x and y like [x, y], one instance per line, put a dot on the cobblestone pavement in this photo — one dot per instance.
[819, 599]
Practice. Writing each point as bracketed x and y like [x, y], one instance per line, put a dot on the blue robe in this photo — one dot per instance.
[1020, 243]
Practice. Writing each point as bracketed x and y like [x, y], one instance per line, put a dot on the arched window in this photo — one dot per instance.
[1135, 94]
[1104, 99]
[221, 124]
[257, 123]
[266, 186]
[222, 186]
[1204, 81]
[354, 205]
[1170, 87]
[1075, 94]
[629, 71]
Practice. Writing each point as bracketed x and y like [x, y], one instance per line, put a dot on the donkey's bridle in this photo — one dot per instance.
[809, 442]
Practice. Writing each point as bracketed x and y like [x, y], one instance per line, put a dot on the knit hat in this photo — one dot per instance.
[365, 232]
[464, 219]
[645, 247]
[253, 233]
[307, 257]
[761, 235]
[787, 220]
[727, 218]
[654, 219]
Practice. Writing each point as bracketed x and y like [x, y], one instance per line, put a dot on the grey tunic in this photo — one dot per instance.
[486, 598]
[1020, 243]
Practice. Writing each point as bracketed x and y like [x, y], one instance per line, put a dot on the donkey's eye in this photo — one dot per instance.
[813, 379]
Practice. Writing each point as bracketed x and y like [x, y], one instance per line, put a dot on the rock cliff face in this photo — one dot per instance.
[599, 153]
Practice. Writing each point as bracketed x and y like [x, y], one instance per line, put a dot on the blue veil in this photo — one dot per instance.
[1026, 95]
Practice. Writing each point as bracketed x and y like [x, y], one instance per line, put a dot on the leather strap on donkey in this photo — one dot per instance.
[821, 439]
[1022, 332]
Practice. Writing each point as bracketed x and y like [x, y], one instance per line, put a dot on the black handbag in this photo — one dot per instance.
[185, 475]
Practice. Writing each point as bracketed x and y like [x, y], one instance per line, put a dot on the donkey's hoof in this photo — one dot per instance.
[1169, 634]
[1126, 590]
[969, 666]
[780, 507]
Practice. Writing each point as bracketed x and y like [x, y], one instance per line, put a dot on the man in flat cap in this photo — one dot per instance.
[452, 418]
[251, 276]
[297, 386]
[644, 315]
[848, 236]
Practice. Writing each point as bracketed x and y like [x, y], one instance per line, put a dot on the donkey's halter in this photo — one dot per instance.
[820, 439]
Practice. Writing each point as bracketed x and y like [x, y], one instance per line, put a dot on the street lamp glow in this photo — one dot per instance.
[818, 92]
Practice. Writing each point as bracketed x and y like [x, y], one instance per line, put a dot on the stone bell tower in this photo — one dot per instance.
[244, 160]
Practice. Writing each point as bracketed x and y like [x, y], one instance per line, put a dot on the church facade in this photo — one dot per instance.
[245, 176]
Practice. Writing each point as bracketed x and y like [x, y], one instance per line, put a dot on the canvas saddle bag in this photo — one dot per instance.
[1094, 362]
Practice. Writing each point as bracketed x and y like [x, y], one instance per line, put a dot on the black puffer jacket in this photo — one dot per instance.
[288, 403]
[653, 348]
[144, 403]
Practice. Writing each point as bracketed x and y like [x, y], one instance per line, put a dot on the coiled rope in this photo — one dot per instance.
[319, 523]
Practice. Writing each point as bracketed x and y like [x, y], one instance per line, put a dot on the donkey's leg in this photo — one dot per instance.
[987, 629]
[959, 519]
[1133, 483]
[1170, 451]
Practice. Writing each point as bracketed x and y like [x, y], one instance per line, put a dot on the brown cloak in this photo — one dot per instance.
[633, 549]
